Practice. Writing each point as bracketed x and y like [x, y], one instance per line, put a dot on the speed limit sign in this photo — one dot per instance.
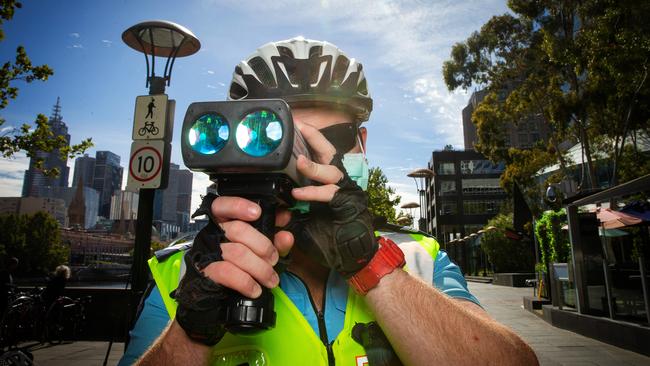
[147, 164]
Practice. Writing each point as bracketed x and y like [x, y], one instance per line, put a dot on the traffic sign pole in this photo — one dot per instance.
[148, 166]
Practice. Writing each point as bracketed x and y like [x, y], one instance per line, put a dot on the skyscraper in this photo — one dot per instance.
[172, 205]
[34, 178]
[107, 179]
[84, 169]
[522, 135]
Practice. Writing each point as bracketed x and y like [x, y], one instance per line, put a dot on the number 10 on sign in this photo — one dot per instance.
[147, 165]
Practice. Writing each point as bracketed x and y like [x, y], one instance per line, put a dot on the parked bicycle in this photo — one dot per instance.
[29, 318]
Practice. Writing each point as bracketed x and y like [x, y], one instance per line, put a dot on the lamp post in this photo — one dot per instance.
[410, 206]
[421, 177]
[167, 40]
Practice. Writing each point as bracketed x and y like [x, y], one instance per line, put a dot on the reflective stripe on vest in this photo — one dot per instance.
[293, 341]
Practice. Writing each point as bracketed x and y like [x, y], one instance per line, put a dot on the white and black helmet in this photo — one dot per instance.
[303, 72]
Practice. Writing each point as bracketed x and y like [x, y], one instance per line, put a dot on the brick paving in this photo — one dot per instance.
[553, 346]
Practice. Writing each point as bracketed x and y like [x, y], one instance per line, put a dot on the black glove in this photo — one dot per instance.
[340, 234]
[201, 302]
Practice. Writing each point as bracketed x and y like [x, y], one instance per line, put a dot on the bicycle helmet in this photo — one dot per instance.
[303, 72]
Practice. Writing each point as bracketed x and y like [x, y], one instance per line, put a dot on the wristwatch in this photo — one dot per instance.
[388, 257]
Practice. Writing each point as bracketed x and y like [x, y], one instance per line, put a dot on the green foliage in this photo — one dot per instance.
[553, 241]
[35, 240]
[379, 195]
[505, 254]
[579, 67]
[25, 138]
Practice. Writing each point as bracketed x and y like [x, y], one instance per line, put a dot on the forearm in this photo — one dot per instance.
[426, 327]
[173, 347]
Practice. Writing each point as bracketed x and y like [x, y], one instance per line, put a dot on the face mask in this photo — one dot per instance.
[356, 165]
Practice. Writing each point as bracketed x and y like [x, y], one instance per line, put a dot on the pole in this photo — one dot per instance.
[145, 219]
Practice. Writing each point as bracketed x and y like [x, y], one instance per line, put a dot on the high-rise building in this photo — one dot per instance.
[31, 205]
[172, 205]
[463, 195]
[523, 135]
[34, 178]
[84, 203]
[124, 205]
[107, 179]
[84, 169]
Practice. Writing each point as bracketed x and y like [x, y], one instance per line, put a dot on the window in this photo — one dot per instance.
[448, 208]
[481, 167]
[447, 187]
[446, 168]
[481, 207]
[481, 186]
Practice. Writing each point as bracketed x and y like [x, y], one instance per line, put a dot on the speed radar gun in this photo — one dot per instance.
[249, 149]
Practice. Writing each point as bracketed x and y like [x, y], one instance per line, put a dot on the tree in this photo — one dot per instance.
[25, 138]
[35, 240]
[505, 254]
[568, 63]
[379, 192]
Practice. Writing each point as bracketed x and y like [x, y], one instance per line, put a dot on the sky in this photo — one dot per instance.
[401, 44]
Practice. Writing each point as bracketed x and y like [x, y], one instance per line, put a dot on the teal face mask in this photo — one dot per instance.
[357, 167]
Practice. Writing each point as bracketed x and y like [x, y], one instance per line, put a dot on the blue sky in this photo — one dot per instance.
[401, 44]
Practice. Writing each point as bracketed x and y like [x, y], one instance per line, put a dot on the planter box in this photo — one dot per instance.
[512, 279]
[534, 303]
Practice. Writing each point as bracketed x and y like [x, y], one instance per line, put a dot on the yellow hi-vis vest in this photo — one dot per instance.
[293, 341]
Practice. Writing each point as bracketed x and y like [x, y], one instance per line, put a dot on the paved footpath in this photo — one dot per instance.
[554, 346]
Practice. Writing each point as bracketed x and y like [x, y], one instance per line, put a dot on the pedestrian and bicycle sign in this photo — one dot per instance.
[148, 164]
[150, 118]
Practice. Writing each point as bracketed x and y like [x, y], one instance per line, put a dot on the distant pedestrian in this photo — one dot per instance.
[7, 281]
[56, 284]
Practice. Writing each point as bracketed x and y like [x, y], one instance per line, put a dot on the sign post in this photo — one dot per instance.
[152, 127]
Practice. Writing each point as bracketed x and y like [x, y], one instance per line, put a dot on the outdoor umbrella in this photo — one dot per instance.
[638, 209]
[611, 219]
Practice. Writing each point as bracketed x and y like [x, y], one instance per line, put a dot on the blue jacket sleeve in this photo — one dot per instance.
[448, 279]
[151, 323]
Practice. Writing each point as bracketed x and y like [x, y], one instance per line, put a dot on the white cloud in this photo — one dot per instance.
[12, 172]
[107, 43]
[210, 86]
[221, 84]
[76, 45]
[210, 72]
[74, 35]
[411, 37]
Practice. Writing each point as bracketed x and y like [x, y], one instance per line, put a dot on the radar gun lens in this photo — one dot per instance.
[208, 134]
[259, 133]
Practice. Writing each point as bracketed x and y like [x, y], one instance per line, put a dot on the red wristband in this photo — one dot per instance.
[388, 257]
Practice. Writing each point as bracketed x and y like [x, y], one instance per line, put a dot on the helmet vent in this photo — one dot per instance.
[237, 91]
[340, 68]
[363, 88]
[262, 71]
[315, 51]
[285, 52]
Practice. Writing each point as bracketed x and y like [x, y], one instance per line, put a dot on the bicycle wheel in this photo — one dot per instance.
[16, 358]
[142, 131]
[18, 322]
[61, 320]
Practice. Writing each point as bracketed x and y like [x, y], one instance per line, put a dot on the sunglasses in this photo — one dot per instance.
[342, 136]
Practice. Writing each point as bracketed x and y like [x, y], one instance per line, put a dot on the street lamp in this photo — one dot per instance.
[410, 206]
[163, 39]
[157, 38]
[421, 176]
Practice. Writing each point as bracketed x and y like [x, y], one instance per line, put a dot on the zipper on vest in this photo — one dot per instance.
[320, 315]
